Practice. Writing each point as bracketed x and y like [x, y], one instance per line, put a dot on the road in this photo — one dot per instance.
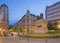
[23, 40]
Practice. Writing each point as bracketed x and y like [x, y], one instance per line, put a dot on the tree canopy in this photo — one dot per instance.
[50, 26]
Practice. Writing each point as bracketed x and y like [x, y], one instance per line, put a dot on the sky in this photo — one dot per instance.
[18, 8]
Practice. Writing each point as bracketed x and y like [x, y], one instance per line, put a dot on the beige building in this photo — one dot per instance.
[53, 12]
[41, 26]
[27, 22]
[32, 24]
[3, 19]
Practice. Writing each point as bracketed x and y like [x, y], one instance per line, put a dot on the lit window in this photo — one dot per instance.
[39, 26]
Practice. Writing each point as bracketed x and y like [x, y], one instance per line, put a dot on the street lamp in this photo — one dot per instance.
[59, 26]
[0, 29]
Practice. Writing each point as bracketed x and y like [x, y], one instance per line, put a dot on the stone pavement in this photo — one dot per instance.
[25, 40]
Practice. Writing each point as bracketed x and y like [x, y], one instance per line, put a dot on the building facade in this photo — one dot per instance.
[41, 26]
[53, 12]
[4, 25]
[27, 22]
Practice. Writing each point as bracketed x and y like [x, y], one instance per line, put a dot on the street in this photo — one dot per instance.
[23, 40]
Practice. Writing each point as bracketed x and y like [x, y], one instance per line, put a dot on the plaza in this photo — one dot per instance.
[32, 27]
[26, 40]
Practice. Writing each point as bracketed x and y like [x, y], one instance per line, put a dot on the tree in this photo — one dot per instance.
[11, 26]
[11, 29]
[50, 26]
[55, 25]
[19, 30]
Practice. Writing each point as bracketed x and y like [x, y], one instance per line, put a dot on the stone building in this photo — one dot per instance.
[3, 19]
[32, 24]
[27, 22]
[41, 26]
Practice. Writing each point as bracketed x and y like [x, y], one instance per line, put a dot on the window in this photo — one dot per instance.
[53, 8]
[27, 16]
[33, 20]
[39, 26]
[27, 24]
[27, 19]
[23, 27]
[33, 25]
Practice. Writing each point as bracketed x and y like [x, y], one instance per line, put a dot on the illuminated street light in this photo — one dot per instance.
[59, 26]
[0, 29]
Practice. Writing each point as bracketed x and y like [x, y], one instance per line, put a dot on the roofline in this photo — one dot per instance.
[53, 4]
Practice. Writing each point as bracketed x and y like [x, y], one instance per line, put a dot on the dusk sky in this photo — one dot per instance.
[18, 8]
